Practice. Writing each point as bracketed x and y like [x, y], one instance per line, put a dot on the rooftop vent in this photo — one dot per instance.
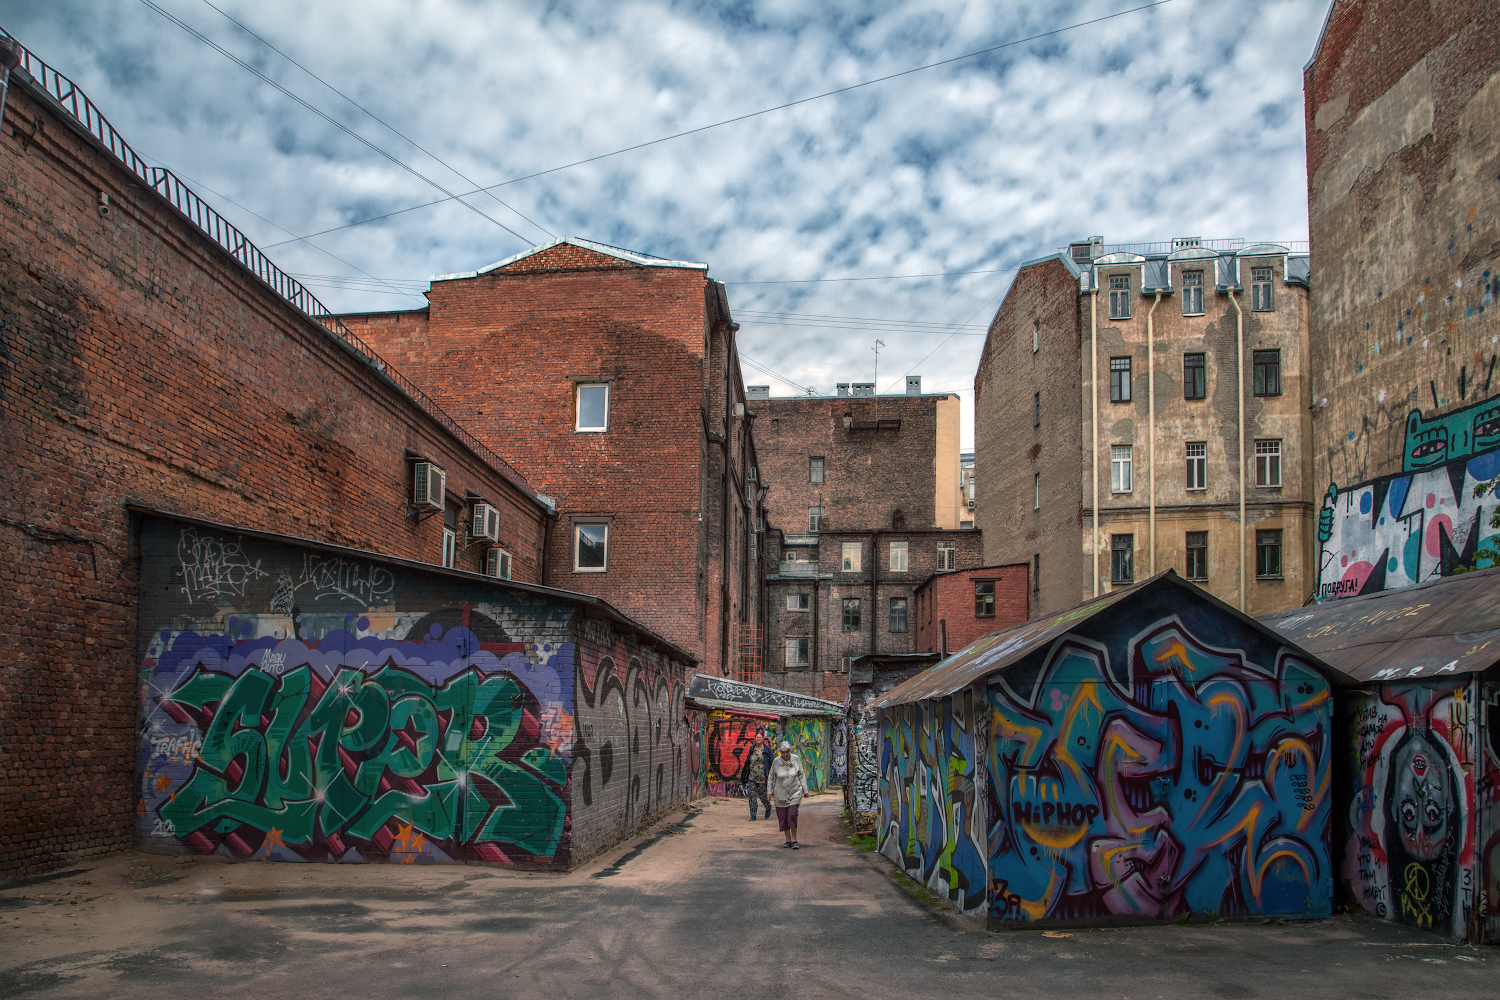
[862, 389]
[1184, 242]
[914, 385]
[843, 388]
[757, 392]
[1086, 250]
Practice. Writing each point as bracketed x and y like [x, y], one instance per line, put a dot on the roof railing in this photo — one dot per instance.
[77, 105]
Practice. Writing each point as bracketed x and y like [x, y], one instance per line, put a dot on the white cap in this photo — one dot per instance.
[785, 745]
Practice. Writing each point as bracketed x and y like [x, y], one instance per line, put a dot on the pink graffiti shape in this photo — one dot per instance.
[1442, 521]
[1431, 500]
[1355, 577]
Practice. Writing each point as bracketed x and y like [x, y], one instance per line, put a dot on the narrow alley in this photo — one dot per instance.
[705, 905]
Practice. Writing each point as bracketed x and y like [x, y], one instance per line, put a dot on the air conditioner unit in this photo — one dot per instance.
[969, 504]
[497, 563]
[486, 522]
[428, 486]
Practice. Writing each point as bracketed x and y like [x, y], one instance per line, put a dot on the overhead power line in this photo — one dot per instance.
[336, 124]
[374, 117]
[776, 375]
[746, 117]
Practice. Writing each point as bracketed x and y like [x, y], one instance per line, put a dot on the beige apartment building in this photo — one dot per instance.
[1146, 407]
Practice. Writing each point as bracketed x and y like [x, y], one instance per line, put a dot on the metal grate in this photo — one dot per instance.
[750, 666]
[76, 105]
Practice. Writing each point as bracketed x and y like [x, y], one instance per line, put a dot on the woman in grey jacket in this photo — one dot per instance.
[787, 783]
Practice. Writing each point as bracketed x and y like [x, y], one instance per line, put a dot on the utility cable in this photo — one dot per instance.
[752, 114]
[336, 124]
[377, 119]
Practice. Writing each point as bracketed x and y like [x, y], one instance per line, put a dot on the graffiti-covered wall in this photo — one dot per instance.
[932, 818]
[730, 739]
[1420, 523]
[1194, 782]
[304, 705]
[809, 738]
[1408, 832]
[1489, 813]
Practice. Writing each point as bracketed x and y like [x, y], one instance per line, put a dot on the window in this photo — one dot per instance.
[1119, 296]
[450, 547]
[590, 548]
[1268, 554]
[798, 602]
[1121, 549]
[814, 519]
[1119, 469]
[815, 469]
[798, 651]
[1192, 293]
[898, 614]
[1268, 463]
[1119, 380]
[851, 557]
[1197, 465]
[1036, 491]
[1036, 574]
[1260, 289]
[1197, 555]
[851, 614]
[591, 412]
[1194, 377]
[1036, 335]
[984, 599]
[1267, 373]
[966, 525]
[898, 557]
[1036, 409]
[947, 555]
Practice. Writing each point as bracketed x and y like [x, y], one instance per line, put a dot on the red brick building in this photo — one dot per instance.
[611, 380]
[146, 364]
[954, 609]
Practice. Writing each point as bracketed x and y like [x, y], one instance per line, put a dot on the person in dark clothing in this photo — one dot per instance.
[757, 766]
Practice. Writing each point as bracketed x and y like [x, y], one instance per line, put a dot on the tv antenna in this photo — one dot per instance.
[878, 345]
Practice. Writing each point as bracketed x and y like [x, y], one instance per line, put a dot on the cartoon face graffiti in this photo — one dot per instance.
[1423, 799]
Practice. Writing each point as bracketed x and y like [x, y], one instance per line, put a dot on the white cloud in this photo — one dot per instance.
[1182, 120]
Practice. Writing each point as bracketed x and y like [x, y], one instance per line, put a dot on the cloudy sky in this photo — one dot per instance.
[1179, 120]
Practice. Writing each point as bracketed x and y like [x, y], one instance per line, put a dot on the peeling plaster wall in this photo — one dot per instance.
[1402, 110]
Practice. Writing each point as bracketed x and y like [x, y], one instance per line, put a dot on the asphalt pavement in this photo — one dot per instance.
[705, 904]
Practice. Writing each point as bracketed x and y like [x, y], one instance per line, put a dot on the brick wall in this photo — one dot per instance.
[949, 597]
[140, 363]
[1402, 106]
[504, 351]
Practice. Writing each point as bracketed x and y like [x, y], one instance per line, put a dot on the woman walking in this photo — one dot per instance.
[787, 784]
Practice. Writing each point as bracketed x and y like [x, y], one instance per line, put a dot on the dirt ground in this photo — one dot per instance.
[703, 905]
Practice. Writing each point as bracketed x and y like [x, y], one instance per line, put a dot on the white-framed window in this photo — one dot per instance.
[898, 614]
[1120, 469]
[1036, 491]
[1192, 293]
[1036, 335]
[1260, 289]
[851, 560]
[898, 557]
[590, 546]
[591, 407]
[450, 547]
[798, 602]
[1197, 555]
[814, 520]
[1119, 296]
[815, 469]
[1268, 463]
[798, 651]
[1197, 465]
[1119, 380]
[947, 556]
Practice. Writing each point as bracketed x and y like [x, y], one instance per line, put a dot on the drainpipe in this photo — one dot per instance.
[1239, 367]
[874, 596]
[1151, 422]
[10, 58]
[1094, 411]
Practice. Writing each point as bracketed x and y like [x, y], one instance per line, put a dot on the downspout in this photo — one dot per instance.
[1151, 424]
[1094, 411]
[874, 597]
[724, 512]
[817, 594]
[1239, 367]
[546, 547]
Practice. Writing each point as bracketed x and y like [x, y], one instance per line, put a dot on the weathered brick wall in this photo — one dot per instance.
[949, 597]
[1402, 106]
[1009, 450]
[499, 349]
[139, 362]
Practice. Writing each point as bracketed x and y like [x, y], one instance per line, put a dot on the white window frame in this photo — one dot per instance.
[947, 556]
[1036, 335]
[1121, 468]
[1192, 293]
[1261, 297]
[898, 560]
[578, 425]
[450, 547]
[1036, 491]
[1119, 296]
[1268, 463]
[815, 467]
[798, 602]
[814, 520]
[798, 651]
[1197, 465]
[851, 557]
[905, 616]
[578, 527]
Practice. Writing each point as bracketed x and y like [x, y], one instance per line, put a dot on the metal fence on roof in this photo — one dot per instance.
[73, 102]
